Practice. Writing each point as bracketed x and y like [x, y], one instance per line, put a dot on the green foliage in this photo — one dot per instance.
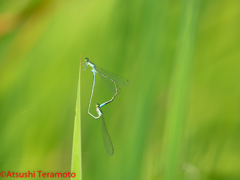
[77, 149]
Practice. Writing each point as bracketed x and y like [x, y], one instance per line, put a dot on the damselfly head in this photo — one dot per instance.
[97, 105]
[86, 60]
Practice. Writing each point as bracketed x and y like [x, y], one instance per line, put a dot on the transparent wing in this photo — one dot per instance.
[120, 81]
[106, 139]
[110, 85]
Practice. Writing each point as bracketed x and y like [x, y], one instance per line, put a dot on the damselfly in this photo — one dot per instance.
[106, 138]
[117, 80]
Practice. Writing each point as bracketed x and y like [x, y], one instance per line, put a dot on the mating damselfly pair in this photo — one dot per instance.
[118, 83]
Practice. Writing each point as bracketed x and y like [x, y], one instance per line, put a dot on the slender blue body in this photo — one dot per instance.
[110, 76]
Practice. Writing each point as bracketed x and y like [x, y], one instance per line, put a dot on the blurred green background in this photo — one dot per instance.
[178, 119]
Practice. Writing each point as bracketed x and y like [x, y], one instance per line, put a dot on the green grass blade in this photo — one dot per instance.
[77, 149]
[179, 92]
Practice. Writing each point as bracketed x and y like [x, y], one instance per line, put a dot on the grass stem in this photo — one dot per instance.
[77, 149]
